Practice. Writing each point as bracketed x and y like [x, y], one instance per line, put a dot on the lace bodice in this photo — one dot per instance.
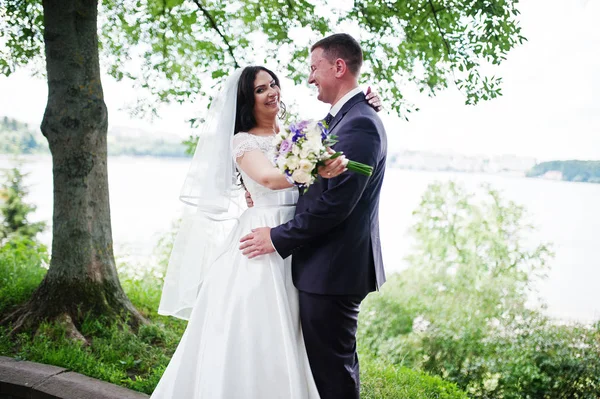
[244, 142]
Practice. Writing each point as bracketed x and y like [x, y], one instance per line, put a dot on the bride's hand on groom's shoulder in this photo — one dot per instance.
[373, 99]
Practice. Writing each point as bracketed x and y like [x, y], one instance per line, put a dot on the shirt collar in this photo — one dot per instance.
[338, 105]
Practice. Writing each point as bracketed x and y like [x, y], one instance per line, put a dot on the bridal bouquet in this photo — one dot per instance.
[302, 147]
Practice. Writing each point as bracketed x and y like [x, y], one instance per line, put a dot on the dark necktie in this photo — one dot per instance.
[328, 119]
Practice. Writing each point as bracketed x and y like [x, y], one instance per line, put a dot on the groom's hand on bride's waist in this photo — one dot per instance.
[257, 243]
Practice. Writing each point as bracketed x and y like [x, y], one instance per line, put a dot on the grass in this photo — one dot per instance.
[382, 380]
[136, 360]
[21, 270]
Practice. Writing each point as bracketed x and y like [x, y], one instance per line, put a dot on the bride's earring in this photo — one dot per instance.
[283, 111]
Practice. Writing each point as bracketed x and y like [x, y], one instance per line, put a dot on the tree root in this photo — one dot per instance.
[52, 304]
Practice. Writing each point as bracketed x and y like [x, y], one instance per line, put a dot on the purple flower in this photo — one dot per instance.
[294, 129]
[324, 130]
[302, 125]
[297, 136]
[285, 147]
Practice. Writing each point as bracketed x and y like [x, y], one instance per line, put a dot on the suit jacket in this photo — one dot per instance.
[334, 236]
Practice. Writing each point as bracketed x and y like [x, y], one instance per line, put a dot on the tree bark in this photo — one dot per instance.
[82, 277]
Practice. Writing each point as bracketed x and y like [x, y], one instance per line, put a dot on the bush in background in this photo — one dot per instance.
[459, 311]
[23, 260]
[14, 210]
[23, 264]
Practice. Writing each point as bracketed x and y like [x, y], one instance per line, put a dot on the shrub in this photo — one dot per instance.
[137, 359]
[459, 311]
[14, 210]
[22, 268]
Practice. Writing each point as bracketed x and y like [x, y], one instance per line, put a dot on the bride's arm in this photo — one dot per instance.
[256, 165]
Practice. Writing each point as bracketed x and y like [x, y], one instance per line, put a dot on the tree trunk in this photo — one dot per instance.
[82, 277]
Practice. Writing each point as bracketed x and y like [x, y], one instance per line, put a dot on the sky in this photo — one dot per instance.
[550, 108]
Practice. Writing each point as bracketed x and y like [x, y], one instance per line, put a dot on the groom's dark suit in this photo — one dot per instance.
[334, 240]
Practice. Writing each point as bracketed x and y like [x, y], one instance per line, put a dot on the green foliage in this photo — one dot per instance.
[383, 380]
[190, 43]
[23, 263]
[137, 359]
[190, 145]
[21, 34]
[540, 359]
[421, 43]
[459, 311]
[177, 50]
[578, 171]
[18, 138]
[528, 358]
[470, 250]
[115, 354]
[143, 285]
[23, 260]
[14, 210]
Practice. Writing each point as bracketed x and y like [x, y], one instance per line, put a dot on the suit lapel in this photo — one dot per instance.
[360, 97]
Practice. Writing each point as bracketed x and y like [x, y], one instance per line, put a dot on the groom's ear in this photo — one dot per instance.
[340, 68]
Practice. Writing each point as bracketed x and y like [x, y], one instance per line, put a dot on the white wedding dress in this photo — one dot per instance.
[244, 339]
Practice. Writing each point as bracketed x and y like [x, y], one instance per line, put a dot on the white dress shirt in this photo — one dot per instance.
[338, 105]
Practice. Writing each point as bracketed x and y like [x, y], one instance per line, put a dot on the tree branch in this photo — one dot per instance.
[214, 25]
[437, 22]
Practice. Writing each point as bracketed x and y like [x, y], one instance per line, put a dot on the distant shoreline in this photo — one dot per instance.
[10, 158]
[572, 171]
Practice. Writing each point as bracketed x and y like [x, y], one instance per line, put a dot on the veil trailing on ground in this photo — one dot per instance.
[214, 202]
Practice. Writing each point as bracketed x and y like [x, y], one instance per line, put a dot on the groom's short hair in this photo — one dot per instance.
[344, 46]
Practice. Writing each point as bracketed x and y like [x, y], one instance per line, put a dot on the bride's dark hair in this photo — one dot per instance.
[244, 111]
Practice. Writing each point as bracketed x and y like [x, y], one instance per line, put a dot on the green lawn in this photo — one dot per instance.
[137, 359]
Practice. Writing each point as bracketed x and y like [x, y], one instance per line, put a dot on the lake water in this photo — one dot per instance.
[144, 203]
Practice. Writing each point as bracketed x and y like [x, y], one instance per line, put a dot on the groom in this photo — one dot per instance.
[334, 236]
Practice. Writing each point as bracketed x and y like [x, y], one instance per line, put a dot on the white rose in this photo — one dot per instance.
[317, 145]
[314, 147]
[305, 151]
[324, 155]
[313, 132]
[292, 162]
[314, 138]
[281, 163]
[295, 149]
[306, 166]
[301, 177]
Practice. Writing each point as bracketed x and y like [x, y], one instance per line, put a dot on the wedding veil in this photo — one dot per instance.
[213, 205]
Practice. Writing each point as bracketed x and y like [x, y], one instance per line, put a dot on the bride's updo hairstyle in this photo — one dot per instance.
[244, 112]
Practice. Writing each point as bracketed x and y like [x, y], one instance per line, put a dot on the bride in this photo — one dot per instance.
[244, 338]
